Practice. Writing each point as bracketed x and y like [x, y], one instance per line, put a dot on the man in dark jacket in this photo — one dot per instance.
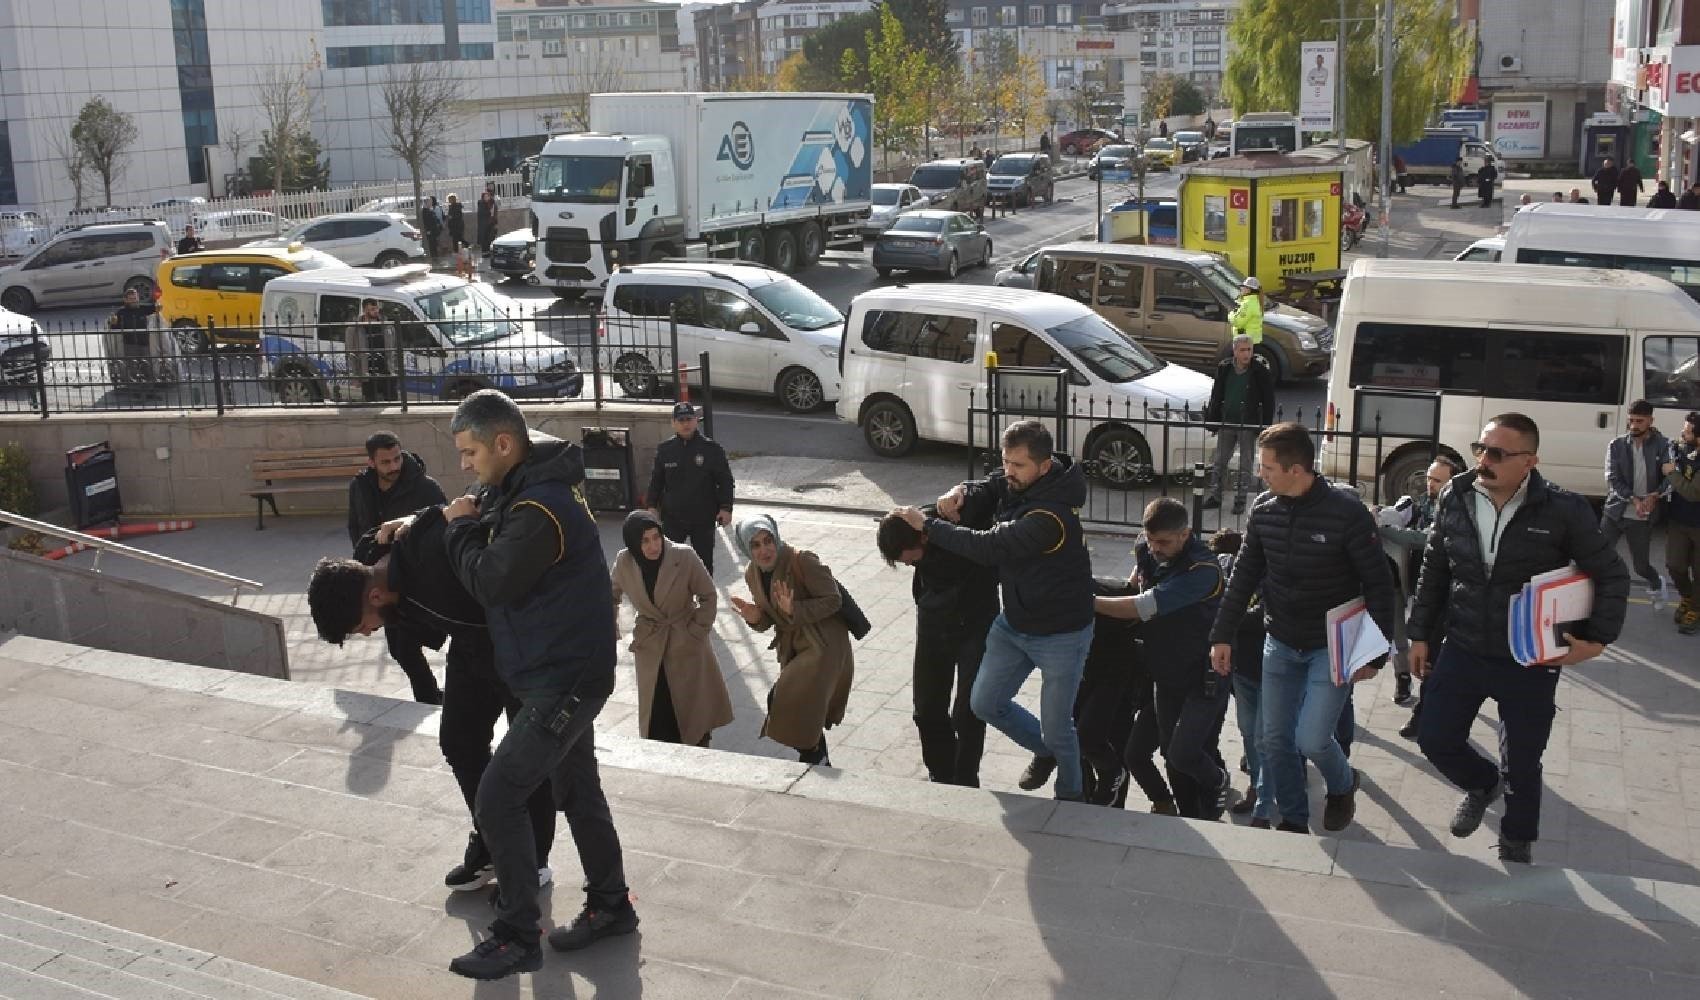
[1682, 523]
[1456, 176]
[1045, 573]
[1241, 403]
[1634, 483]
[1180, 588]
[1310, 547]
[1605, 183]
[402, 579]
[955, 602]
[1485, 178]
[394, 485]
[1498, 526]
[1664, 197]
[529, 551]
[1629, 184]
[690, 489]
[1404, 531]
[190, 243]
[1691, 198]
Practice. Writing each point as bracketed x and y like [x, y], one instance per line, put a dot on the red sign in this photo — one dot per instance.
[1093, 45]
[1239, 198]
[1334, 189]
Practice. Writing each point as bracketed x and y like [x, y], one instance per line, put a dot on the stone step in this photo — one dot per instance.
[22, 984]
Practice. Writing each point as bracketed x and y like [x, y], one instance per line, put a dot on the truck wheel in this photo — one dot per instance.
[752, 245]
[889, 429]
[782, 251]
[811, 243]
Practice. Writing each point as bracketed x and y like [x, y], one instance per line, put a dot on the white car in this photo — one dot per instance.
[358, 239]
[20, 343]
[1488, 249]
[764, 332]
[21, 232]
[244, 225]
[402, 203]
[890, 201]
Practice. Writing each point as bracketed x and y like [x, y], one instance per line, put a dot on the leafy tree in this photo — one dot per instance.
[303, 170]
[1027, 96]
[1167, 94]
[104, 135]
[993, 70]
[791, 72]
[897, 74]
[1431, 60]
[823, 52]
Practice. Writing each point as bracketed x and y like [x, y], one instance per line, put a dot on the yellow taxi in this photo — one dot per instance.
[1161, 153]
[213, 296]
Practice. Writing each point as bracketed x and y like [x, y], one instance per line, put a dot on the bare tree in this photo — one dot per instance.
[236, 139]
[70, 155]
[104, 135]
[604, 75]
[422, 102]
[288, 104]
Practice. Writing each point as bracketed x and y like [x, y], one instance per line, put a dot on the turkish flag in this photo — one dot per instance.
[1239, 198]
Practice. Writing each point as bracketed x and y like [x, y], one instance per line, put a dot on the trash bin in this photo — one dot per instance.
[608, 477]
[91, 482]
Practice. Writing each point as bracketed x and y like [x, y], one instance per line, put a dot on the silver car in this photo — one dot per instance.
[932, 240]
[890, 201]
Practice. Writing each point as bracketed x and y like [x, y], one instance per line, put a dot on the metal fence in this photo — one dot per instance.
[1134, 452]
[281, 362]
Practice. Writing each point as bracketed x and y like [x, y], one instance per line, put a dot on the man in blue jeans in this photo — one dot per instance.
[1045, 573]
[1309, 547]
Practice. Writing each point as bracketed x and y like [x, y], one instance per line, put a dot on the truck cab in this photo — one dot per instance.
[600, 200]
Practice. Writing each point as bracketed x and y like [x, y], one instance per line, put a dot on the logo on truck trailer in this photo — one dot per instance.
[738, 146]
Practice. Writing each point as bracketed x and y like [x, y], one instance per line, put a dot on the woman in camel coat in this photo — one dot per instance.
[681, 693]
[794, 594]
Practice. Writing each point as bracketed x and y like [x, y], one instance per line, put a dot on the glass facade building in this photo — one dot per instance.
[194, 83]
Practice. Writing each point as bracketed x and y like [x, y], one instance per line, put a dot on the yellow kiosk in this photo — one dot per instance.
[1270, 214]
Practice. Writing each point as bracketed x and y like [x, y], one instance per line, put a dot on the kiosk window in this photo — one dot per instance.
[1216, 218]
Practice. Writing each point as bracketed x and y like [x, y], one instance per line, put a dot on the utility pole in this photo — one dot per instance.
[1340, 76]
[1386, 125]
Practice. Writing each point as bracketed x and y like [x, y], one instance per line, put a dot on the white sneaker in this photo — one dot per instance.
[545, 875]
[1658, 596]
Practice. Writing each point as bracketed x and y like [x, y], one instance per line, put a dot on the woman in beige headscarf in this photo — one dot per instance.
[796, 595]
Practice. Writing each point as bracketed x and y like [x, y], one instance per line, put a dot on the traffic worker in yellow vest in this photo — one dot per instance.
[1247, 317]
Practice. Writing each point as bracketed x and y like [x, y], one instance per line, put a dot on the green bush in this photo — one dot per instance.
[17, 493]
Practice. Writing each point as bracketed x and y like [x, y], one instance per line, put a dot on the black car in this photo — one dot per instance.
[514, 255]
[1117, 156]
[1021, 179]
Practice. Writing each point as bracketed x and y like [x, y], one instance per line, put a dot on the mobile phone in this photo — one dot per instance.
[561, 716]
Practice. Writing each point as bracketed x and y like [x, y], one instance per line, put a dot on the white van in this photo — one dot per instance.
[1661, 241]
[455, 338]
[1570, 347]
[913, 357]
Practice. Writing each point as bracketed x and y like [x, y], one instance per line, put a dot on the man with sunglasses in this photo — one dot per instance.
[1496, 526]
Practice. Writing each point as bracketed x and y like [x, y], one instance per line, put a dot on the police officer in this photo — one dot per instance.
[691, 487]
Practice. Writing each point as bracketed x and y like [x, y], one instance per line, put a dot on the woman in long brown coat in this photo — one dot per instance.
[681, 693]
[795, 595]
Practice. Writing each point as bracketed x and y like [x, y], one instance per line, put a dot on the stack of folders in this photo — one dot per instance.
[1548, 606]
[1354, 639]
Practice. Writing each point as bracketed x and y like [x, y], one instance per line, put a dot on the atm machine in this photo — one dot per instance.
[1604, 136]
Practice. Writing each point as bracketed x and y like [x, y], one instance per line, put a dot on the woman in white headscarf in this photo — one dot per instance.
[794, 594]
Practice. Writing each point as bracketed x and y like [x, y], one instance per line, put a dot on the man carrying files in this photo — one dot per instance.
[1500, 526]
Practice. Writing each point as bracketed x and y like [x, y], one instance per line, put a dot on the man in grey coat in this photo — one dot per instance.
[1634, 484]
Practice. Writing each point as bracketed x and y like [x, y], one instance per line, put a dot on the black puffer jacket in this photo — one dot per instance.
[1551, 528]
[370, 506]
[1309, 554]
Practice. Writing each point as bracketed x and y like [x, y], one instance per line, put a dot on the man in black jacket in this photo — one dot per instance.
[402, 579]
[691, 487]
[955, 602]
[394, 484]
[529, 551]
[1497, 526]
[1045, 573]
[1241, 402]
[1311, 547]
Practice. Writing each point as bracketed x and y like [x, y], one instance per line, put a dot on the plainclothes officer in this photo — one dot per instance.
[190, 243]
[1497, 526]
[691, 487]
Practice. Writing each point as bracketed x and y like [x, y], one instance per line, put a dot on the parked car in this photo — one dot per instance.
[514, 255]
[1490, 249]
[213, 296]
[1022, 178]
[79, 217]
[763, 331]
[242, 225]
[22, 349]
[20, 232]
[358, 239]
[957, 185]
[1084, 140]
[404, 204]
[931, 240]
[890, 201]
[1220, 148]
[1192, 145]
[1161, 153]
[93, 264]
[454, 338]
[1116, 157]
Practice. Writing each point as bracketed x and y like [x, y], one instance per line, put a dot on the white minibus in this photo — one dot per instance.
[1661, 241]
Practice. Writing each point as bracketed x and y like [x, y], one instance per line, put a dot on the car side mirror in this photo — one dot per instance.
[751, 327]
[1211, 310]
[1075, 378]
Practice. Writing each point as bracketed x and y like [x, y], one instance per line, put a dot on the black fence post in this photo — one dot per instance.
[707, 393]
[217, 372]
[599, 333]
[1199, 480]
[40, 371]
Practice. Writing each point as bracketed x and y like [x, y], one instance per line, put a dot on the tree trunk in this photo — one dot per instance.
[106, 186]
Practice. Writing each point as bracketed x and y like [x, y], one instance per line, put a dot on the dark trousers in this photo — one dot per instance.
[407, 648]
[1189, 721]
[475, 698]
[1140, 752]
[1682, 558]
[1640, 536]
[551, 739]
[700, 535]
[663, 720]
[1452, 695]
[952, 736]
[1457, 189]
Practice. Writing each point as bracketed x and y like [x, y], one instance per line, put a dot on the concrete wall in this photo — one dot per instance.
[50, 600]
[196, 464]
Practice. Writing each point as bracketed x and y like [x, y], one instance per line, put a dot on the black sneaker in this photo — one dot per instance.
[1165, 808]
[1217, 805]
[1239, 505]
[594, 923]
[1411, 726]
[1259, 823]
[1105, 793]
[1038, 772]
[1211, 503]
[1247, 802]
[1521, 852]
[1475, 805]
[475, 870]
[1402, 689]
[1290, 827]
[1338, 813]
[498, 956]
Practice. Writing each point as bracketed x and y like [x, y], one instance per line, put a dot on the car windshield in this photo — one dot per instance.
[1016, 165]
[1159, 144]
[796, 306]
[1223, 277]
[917, 224]
[591, 180]
[936, 177]
[1111, 152]
[465, 315]
[1189, 137]
[1103, 349]
[886, 196]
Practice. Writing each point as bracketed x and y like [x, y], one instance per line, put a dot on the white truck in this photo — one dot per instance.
[775, 178]
[1266, 131]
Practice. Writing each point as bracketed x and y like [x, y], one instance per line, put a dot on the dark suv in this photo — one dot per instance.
[1021, 179]
[953, 185]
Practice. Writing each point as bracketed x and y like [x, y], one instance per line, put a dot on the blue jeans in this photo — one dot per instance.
[1010, 659]
[1248, 697]
[1301, 711]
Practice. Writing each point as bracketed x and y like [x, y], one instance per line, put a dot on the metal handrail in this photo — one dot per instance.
[101, 545]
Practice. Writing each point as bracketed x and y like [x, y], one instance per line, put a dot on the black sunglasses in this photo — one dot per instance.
[1494, 454]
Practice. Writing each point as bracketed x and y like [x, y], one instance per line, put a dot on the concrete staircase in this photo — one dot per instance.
[48, 955]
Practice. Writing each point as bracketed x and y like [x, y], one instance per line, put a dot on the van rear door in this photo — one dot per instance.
[1665, 370]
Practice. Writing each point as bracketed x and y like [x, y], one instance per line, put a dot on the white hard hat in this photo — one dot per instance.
[1253, 284]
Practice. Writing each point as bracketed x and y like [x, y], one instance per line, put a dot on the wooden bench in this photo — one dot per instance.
[305, 470]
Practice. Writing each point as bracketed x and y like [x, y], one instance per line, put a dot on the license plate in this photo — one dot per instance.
[907, 244]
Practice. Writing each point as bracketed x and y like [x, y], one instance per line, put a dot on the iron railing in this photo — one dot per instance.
[101, 546]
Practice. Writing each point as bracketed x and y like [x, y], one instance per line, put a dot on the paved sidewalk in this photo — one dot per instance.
[305, 830]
